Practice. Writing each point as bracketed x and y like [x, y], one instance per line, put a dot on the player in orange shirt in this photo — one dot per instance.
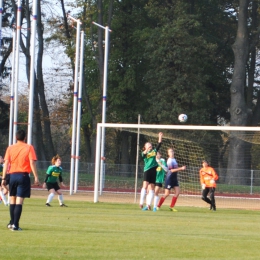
[20, 161]
[208, 177]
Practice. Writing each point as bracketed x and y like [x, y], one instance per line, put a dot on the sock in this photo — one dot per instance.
[60, 198]
[142, 196]
[11, 210]
[150, 197]
[174, 199]
[17, 214]
[156, 200]
[162, 199]
[3, 197]
[50, 197]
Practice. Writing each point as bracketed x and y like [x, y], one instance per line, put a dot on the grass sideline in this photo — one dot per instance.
[86, 230]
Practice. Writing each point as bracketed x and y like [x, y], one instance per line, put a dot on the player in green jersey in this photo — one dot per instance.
[160, 174]
[54, 172]
[150, 165]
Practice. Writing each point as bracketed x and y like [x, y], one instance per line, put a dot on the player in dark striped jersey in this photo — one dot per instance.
[171, 180]
[54, 172]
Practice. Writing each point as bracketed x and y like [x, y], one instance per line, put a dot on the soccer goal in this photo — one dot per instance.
[233, 152]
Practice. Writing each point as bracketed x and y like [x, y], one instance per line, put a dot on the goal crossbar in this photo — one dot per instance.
[182, 127]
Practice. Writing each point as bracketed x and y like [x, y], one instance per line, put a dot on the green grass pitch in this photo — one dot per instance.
[86, 230]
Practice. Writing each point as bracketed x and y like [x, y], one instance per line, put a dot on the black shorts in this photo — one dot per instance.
[158, 184]
[150, 175]
[54, 186]
[20, 185]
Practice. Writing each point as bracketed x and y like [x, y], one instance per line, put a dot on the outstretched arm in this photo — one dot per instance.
[178, 169]
[160, 137]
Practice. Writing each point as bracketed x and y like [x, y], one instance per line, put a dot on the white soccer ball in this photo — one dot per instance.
[183, 118]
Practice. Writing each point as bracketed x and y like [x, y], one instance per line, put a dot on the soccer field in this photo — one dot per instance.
[86, 230]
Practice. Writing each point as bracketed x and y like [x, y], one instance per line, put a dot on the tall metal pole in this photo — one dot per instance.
[79, 111]
[107, 30]
[17, 56]
[104, 108]
[32, 76]
[11, 117]
[137, 157]
[75, 100]
[97, 160]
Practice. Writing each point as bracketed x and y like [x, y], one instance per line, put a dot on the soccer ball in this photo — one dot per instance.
[183, 118]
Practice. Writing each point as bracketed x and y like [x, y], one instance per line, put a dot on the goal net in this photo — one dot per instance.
[232, 151]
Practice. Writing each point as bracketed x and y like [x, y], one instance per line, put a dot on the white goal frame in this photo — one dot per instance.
[99, 140]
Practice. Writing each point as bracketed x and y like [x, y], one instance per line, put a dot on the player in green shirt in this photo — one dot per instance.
[150, 165]
[54, 172]
[161, 170]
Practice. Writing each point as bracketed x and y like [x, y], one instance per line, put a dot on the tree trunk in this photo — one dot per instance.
[37, 137]
[236, 173]
[49, 147]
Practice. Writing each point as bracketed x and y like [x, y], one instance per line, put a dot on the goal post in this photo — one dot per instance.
[186, 149]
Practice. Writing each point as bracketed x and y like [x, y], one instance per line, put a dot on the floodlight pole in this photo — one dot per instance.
[102, 158]
[32, 74]
[11, 117]
[17, 56]
[75, 100]
[79, 111]
[137, 157]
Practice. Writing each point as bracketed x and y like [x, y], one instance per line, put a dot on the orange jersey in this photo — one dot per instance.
[19, 156]
[208, 176]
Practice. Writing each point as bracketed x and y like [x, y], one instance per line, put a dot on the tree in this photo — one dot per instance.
[187, 61]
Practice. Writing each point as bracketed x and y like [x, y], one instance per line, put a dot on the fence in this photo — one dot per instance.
[119, 185]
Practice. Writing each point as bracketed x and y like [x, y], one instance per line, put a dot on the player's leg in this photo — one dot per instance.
[205, 195]
[163, 198]
[60, 198]
[212, 198]
[13, 191]
[146, 197]
[143, 193]
[51, 194]
[17, 213]
[150, 195]
[11, 211]
[23, 191]
[156, 195]
[167, 188]
[175, 197]
[150, 177]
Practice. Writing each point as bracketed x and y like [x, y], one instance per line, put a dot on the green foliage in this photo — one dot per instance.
[187, 62]
[127, 65]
